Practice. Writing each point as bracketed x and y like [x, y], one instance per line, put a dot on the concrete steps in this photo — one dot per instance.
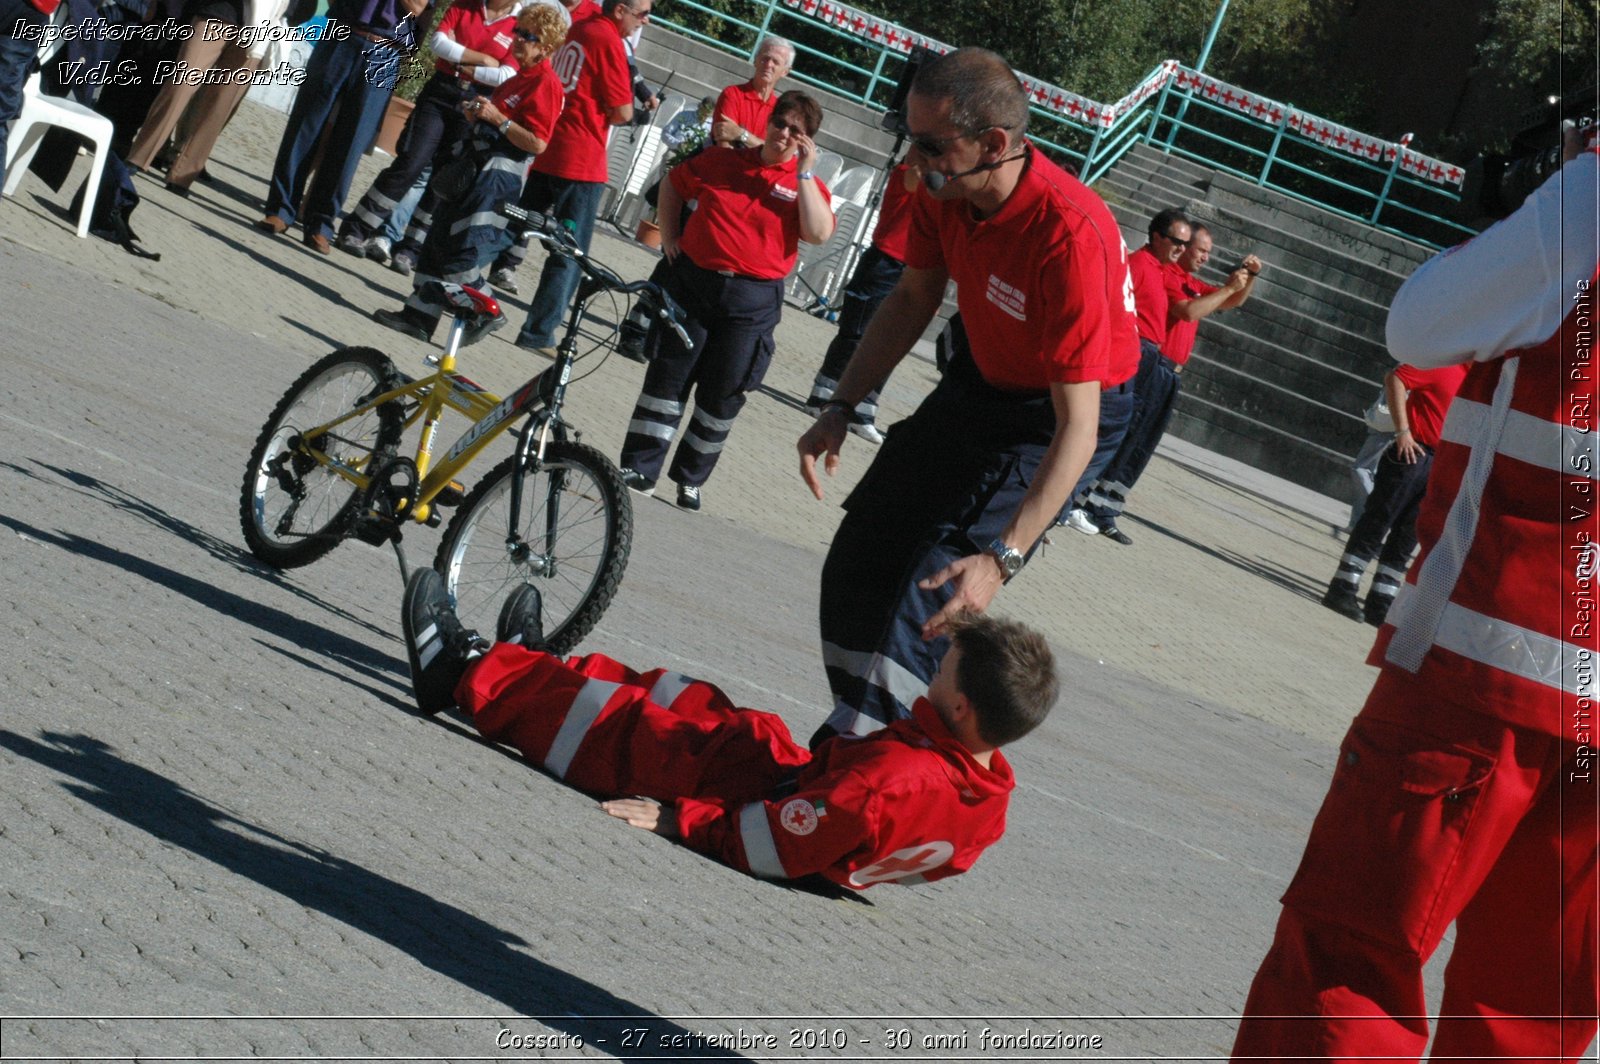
[1281, 382]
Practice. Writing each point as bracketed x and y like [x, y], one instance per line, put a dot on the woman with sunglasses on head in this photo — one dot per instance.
[506, 131]
[726, 269]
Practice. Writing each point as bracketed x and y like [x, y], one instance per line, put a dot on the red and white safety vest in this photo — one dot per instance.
[1499, 613]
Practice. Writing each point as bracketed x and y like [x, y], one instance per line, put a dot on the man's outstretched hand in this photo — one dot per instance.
[822, 440]
[976, 579]
[646, 813]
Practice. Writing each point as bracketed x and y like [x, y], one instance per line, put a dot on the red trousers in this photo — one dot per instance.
[1435, 815]
[606, 729]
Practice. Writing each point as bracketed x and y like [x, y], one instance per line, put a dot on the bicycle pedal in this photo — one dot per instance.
[434, 519]
[451, 494]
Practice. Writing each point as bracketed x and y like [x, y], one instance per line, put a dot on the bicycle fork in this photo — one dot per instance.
[532, 440]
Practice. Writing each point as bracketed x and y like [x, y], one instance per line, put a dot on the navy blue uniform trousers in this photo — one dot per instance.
[730, 321]
[945, 483]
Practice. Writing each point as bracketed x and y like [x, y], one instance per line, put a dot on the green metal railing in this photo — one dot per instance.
[852, 54]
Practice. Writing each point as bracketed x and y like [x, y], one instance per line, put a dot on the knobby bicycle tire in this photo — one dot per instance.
[577, 570]
[279, 529]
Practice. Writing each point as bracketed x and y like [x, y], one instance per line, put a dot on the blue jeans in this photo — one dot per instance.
[16, 53]
[576, 203]
[1155, 393]
[400, 217]
[357, 76]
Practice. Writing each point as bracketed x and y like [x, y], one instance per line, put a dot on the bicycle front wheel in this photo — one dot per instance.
[571, 541]
[295, 507]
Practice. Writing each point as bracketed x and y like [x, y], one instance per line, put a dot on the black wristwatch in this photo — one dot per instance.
[1009, 558]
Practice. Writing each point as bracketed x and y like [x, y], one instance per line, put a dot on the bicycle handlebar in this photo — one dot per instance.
[562, 241]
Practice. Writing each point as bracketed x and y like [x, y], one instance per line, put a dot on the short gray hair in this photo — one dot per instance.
[769, 43]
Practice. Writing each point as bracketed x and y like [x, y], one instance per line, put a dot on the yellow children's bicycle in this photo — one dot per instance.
[555, 513]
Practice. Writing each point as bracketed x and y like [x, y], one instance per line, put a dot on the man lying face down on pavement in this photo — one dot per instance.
[916, 801]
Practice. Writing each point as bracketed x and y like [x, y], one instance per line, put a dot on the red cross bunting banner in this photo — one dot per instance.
[1086, 112]
[1351, 142]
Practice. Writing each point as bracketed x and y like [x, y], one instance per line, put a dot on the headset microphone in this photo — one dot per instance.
[935, 181]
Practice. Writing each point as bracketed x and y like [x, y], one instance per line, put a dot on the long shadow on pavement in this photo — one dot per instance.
[360, 656]
[1296, 583]
[234, 557]
[440, 936]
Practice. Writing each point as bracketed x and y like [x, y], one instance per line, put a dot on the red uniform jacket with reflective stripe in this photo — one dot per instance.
[1498, 611]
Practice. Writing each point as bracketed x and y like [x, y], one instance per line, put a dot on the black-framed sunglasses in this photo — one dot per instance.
[933, 147]
[524, 35]
[1174, 240]
[793, 130]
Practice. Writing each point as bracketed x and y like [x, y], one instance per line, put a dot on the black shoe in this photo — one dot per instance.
[522, 619]
[181, 191]
[481, 328]
[436, 643]
[397, 320]
[688, 497]
[1376, 609]
[1341, 598]
[1116, 535]
[630, 343]
[637, 481]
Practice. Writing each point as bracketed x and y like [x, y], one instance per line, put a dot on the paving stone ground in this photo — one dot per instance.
[216, 801]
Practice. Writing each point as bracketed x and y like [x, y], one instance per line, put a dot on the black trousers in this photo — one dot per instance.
[730, 323]
[945, 483]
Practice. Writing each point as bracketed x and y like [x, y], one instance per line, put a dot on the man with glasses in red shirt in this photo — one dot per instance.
[962, 490]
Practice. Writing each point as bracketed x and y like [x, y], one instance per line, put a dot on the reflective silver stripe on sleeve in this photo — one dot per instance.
[667, 689]
[1530, 439]
[1417, 625]
[760, 852]
[582, 714]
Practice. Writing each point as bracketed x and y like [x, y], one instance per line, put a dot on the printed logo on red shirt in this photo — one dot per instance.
[568, 64]
[911, 861]
[503, 40]
[1008, 298]
[785, 193]
[798, 817]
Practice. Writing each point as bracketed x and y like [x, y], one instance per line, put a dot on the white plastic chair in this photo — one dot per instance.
[827, 166]
[39, 113]
[853, 186]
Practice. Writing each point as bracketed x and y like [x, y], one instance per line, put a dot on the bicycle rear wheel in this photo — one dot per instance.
[573, 534]
[293, 509]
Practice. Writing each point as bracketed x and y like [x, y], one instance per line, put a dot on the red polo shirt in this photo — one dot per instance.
[1182, 286]
[1149, 294]
[1039, 283]
[748, 218]
[743, 105]
[532, 99]
[1428, 396]
[592, 67]
[894, 216]
[464, 23]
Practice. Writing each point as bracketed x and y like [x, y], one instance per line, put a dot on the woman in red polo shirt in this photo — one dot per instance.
[726, 269]
[507, 130]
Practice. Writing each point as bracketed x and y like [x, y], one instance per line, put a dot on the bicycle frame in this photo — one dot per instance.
[445, 388]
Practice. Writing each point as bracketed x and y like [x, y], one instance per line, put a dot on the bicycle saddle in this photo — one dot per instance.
[468, 303]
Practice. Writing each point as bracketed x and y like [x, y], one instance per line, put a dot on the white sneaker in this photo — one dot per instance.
[1080, 521]
[505, 280]
[867, 432]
